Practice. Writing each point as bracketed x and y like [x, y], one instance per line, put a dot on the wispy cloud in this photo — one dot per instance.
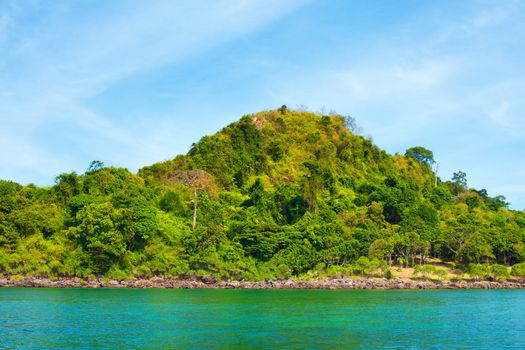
[55, 56]
[381, 81]
[457, 88]
[447, 77]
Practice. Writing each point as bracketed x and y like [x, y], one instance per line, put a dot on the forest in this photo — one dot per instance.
[275, 195]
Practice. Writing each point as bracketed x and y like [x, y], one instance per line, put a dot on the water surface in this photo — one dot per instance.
[315, 319]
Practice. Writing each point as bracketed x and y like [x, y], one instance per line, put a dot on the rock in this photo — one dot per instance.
[326, 283]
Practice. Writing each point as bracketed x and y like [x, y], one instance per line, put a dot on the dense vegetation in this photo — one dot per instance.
[276, 194]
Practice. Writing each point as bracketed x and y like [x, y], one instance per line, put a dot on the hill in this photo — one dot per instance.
[276, 194]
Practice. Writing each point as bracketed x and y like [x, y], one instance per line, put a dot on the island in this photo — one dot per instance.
[278, 199]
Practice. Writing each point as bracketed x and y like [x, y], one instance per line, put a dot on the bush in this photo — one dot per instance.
[143, 271]
[18, 278]
[518, 270]
[370, 267]
[499, 272]
[478, 271]
[117, 274]
[361, 266]
[441, 273]
[337, 271]
[426, 270]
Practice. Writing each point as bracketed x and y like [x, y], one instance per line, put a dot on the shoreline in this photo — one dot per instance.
[327, 284]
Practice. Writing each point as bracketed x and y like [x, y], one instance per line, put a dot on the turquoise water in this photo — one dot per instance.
[131, 318]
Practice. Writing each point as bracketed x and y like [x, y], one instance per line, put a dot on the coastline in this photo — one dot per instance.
[328, 284]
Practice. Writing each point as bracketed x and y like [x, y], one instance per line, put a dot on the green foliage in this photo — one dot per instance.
[94, 166]
[351, 124]
[280, 193]
[276, 150]
[429, 271]
[103, 232]
[420, 154]
[460, 178]
[440, 273]
[283, 109]
[424, 270]
[478, 271]
[381, 249]
[67, 186]
[499, 272]
[496, 272]
[518, 270]
[371, 267]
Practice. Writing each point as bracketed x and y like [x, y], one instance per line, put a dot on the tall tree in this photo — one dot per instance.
[460, 178]
[196, 180]
[421, 154]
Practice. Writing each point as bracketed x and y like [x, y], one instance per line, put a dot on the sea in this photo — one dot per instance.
[260, 319]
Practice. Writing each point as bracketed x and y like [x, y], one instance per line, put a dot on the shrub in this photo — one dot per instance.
[117, 274]
[370, 267]
[428, 269]
[362, 266]
[441, 273]
[337, 271]
[518, 270]
[478, 271]
[18, 278]
[143, 271]
[425, 270]
[388, 274]
[499, 272]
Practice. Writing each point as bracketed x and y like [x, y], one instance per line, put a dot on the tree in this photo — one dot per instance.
[67, 186]
[196, 180]
[300, 194]
[103, 232]
[420, 154]
[460, 178]
[94, 166]
[8, 234]
[275, 150]
[283, 109]
[315, 181]
[381, 249]
[351, 124]
[498, 202]
[172, 202]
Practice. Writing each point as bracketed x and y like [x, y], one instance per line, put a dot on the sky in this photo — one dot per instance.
[132, 83]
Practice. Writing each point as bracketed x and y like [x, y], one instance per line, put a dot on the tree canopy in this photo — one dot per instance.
[279, 193]
[421, 154]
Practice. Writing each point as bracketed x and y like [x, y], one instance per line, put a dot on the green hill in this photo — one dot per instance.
[276, 194]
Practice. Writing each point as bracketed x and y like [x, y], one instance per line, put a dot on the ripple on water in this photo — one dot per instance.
[137, 318]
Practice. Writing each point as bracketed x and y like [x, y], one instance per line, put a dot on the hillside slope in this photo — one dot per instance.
[276, 194]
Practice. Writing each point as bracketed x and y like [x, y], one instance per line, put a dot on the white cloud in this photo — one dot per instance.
[94, 53]
[379, 81]
[49, 70]
[479, 21]
[452, 90]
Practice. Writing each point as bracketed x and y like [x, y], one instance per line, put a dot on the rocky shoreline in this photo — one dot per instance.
[337, 283]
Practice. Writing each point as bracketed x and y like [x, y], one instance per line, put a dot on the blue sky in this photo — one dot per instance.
[135, 82]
